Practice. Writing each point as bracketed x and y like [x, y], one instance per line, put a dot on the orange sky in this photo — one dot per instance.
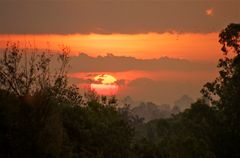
[138, 29]
[192, 46]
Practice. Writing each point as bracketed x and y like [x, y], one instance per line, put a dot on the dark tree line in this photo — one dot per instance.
[41, 115]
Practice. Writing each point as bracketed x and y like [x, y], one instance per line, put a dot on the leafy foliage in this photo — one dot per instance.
[226, 88]
[204, 130]
[42, 116]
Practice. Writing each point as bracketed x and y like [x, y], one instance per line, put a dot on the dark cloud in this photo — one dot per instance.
[111, 63]
[142, 81]
[75, 80]
[79, 80]
[187, 78]
[121, 82]
[115, 16]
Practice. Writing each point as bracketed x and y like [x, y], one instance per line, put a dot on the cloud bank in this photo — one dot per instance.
[112, 63]
[115, 16]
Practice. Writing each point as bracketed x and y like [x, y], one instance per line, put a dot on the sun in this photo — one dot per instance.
[105, 79]
[104, 84]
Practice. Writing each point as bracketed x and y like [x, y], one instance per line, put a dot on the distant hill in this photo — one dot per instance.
[182, 103]
[150, 111]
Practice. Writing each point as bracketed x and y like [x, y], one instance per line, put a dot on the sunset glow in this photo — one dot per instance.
[119, 78]
[105, 79]
[105, 85]
[192, 46]
[125, 47]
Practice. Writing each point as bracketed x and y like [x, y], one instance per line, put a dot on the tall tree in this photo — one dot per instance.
[224, 91]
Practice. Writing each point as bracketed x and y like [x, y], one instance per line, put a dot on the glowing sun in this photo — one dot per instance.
[104, 85]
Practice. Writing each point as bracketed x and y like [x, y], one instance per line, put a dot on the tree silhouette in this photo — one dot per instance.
[224, 91]
[41, 115]
[204, 130]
